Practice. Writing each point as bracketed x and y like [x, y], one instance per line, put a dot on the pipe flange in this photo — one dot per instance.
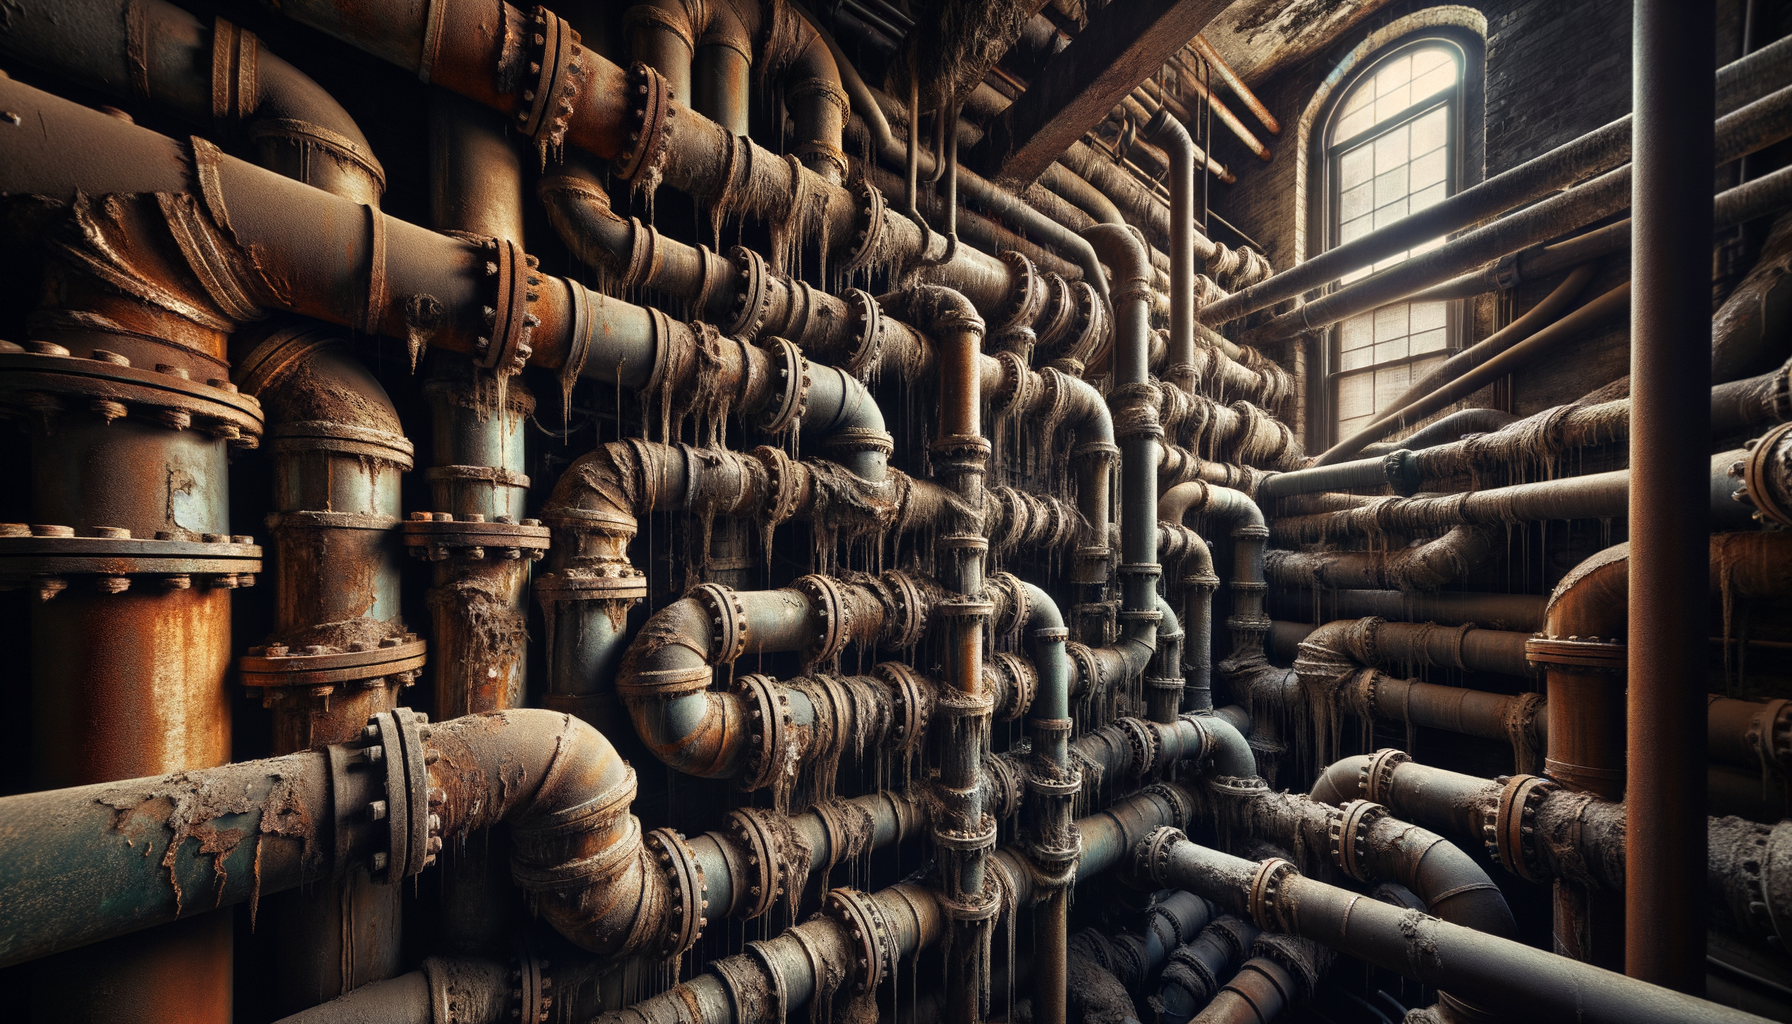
[437, 536]
[43, 557]
[1266, 888]
[1770, 734]
[511, 280]
[1376, 780]
[1016, 387]
[279, 666]
[1092, 311]
[770, 731]
[754, 834]
[754, 299]
[1176, 797]
[1026, 292]
[609, 582]
[1349, 831]
[783, 479]
[651, 108]
[685, 917]
[1022, 683]
[1151, 857]
[1083, 659]
[1759, 469]
[395, 739]
[831, 616]
[530, 999]
[45, 379]
[1578, 653]
[867, 351]
[1007, 784]
[791, 380]
[870, 236]
[1236, 788]
[1509, 826]
[1018, 607]
[907, 618]
[851, 440]
[863, 920]
[727, 620]
[556, 57]
[1402, 471]
[913, 700]
[1145, 744]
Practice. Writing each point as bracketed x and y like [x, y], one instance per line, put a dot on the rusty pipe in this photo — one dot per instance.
[217, 75]
[1248, 622]
[1153, 91]
[1233, 82]
[1176, 141]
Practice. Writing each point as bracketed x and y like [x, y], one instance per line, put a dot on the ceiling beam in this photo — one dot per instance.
[1122, 47]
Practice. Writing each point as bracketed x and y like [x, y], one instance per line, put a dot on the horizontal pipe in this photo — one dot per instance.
[1492, 972]
[1521, 612]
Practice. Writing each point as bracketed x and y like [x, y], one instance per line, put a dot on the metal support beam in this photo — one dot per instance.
[1670, 386]
[1122, 47]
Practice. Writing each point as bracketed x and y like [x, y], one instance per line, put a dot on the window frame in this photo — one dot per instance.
[1455, 100]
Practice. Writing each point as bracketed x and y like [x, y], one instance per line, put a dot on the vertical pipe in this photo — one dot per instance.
[964, 832]
[130, 682]
[477, 602]
[1175, 140]
[1051, 793]
[1670, 360]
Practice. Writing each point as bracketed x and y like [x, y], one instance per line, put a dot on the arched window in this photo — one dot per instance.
[1391, 148]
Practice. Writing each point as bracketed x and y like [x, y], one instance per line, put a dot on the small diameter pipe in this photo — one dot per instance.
[1233, 82]
[1453, 368]
[1493, 972]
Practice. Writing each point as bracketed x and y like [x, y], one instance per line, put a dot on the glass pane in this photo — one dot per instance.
[1390, 322]
[1390, 213]
[1359, 99]
[1354, 229]
[1397, 73]
[1352, 425]
[1389, 383]
[1388, 351]
[1394, 260]
[1429, 197]
[1390, 150]
[1389, 187]
[1430, 341]
[1429, 169]
[1358, 331]
[1433, 82]
[1393, 103]
[1356, 202]
[1426, 316]
[1355, 275]
[1356, 395]
[1428, 131]
[1355, 167]
[1357, 359]
[1422, 367]
[1353, 124]
[1426, 246]
[1426, 60]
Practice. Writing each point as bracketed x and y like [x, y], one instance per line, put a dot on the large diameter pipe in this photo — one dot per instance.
[1670, 382]
[1493, 972]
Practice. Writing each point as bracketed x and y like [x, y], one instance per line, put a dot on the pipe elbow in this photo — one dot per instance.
[934, 309]
[1452, 885]
[579, 210]
[294, 122]
[664, 680]
[1339, 784]
[1593, 600]
[1082, 408]
[565, 793]
[1120, 247]
[1225, 746]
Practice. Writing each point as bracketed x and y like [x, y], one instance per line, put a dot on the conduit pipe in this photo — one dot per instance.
[1522, 612]
[1490, 971]
[1594, 153]
[217, 75]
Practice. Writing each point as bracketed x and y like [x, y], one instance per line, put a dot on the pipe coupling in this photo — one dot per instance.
[686, 908]
[775, 746]
[912, 700]
[1375, 782]
[1577, 653]
[650, 110]
[395, 743]
[1151, 857]
[1349, 833]
[1766, 473]
[549, 101]
[863, 919]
